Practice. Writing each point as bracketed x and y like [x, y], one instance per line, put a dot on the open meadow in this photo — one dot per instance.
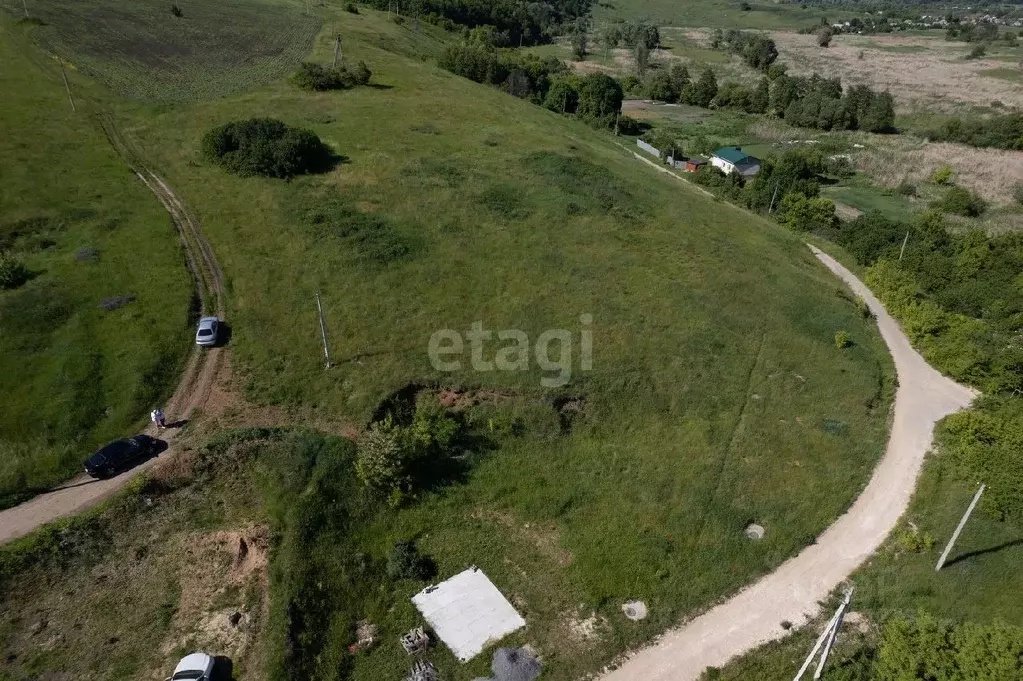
[717, 394]
[143, 51]
[99, 331]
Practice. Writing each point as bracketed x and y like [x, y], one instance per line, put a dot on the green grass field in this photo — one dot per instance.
[766, 16]
[866, 198]
[716, 396]
[75, 374]
[140, 50]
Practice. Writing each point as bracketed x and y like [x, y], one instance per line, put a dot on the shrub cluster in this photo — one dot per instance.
[265, 146]
[318, 77]
[13, 272]
[961, 202]
[756, 49]
[391, 458]
[595, 98]
[1002, 132]
[958, 296]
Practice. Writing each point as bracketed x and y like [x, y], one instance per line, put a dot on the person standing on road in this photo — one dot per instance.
[158, 418]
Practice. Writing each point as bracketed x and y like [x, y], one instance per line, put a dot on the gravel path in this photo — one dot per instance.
[754, 615]
[196, 382]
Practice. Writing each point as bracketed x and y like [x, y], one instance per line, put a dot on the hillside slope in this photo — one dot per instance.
[717, 395]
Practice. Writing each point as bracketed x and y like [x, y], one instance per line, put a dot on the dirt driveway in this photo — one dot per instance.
[754, 615]
[196, 383]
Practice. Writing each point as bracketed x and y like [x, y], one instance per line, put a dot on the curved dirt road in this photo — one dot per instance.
[196, 381]
[791, 592]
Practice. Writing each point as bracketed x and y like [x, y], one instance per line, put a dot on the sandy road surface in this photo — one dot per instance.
[791, 592]
[196, 382]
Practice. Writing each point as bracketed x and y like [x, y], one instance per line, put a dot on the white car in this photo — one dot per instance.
[206, 334]
[193, 667]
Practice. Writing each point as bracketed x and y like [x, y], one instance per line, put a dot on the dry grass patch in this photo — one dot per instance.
[893, 159]
[934, 77]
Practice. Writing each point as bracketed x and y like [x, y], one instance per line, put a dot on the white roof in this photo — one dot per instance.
[468, 612]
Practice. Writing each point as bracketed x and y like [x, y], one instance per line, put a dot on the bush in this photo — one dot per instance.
[842, 340]
[600, 98]
[390, 459]
[977, 52]
[321, 78]
[912, 540]
[1017, 193]
[267, 147]
[405, 562]
[961, 202]
[176, 11]
[804, 214]
[906, 189]
[824, 35]
[942, 175]
[12, 272]
[351, 8]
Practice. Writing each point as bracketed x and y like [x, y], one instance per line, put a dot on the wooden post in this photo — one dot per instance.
[24, 3]
[904, 241]
[66, 86]
[618, 116]
[323, 331]
[959, 528]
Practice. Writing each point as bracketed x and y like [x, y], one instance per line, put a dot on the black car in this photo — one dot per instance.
[111, 458]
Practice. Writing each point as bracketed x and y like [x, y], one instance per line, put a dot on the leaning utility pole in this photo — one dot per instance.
[24, 3]
[323, 331]
[66, 86]
[959, 528]
[337, 51]
[903, 249]
[828, 635]
[773, 197]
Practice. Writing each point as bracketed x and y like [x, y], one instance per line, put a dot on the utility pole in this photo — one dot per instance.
[618, 116]
[904, 241]
[959, 528]
[323, 331]
[24, 3]
[834, 634]
[66, 86]
[773, 197]
[337, 51]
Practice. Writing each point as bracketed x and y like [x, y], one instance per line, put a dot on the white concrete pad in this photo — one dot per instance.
[468, 612]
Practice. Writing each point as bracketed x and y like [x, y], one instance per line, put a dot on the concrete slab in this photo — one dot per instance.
[468, 612]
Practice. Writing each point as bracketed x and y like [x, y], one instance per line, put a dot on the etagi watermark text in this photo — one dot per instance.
[447, 350]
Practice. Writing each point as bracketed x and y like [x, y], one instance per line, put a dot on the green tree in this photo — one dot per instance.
[805, 214]
[579, 38]
[642, 55]
[880, 115]
[824, 35]
[562, 97]
[600, 98]
[703, 91]
[760, 99]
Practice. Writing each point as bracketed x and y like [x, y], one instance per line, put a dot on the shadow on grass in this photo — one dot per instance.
[223, 669]
[981, 552]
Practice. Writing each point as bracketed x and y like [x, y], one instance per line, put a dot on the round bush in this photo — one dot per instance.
[265, 146]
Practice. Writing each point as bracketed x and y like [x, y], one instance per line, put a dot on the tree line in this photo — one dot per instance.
[515, 22]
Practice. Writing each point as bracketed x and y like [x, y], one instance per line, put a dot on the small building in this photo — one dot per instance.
[734, 159]
[694, 164]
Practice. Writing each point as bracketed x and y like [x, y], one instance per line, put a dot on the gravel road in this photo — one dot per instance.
[753, 616]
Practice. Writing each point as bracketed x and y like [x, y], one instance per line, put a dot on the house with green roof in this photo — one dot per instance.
[734, 159]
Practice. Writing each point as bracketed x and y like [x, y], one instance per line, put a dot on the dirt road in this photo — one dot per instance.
[791, 592]
[196, 382]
